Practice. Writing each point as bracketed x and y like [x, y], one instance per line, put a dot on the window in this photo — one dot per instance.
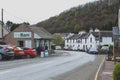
[90, 45]
[78, 41]
[25, 48]
[90, 39]
[85, 40]
[20, 43]
[86, 46]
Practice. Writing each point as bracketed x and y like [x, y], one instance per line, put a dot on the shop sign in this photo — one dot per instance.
[22, 34]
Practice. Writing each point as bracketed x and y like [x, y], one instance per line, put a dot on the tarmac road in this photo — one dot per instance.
[68, 65]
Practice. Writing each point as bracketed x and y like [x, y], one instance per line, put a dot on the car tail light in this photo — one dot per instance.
[6, 49]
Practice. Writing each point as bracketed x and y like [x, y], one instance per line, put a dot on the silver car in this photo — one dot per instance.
[6, 52]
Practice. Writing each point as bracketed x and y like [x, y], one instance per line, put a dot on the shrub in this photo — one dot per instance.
[102, 52]
[53, 47]
[116, 72]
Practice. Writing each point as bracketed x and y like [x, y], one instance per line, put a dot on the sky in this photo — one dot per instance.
[34, 11]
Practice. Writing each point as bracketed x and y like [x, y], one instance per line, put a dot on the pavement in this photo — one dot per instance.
[107, 70]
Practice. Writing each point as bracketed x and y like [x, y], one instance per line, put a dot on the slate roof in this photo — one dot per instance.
[74, 36]
[84, 35]
[98, 35]
[44, 34]
[106, 34]
[79, 36]
[64, 34]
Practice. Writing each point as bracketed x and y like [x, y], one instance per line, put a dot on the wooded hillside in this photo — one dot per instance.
[101, 14]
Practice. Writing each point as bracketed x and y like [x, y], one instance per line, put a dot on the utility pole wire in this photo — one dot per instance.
[15, 16]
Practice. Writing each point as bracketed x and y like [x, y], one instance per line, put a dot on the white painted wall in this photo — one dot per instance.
[4, 31]
[91, 42]
[86, 45]
[106, 41]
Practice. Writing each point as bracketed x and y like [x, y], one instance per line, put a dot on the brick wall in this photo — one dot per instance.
[9, 39]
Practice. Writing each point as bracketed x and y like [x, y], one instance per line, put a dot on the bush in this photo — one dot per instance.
[102, 52]
[53, 47]
[116, 72]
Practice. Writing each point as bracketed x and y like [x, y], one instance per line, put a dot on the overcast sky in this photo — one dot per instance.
[34, 11]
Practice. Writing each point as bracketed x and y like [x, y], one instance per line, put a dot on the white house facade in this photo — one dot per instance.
[106, 38]
[91, 41]
[5, 31]
[85, 41]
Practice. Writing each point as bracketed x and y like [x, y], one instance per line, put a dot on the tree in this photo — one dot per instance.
[13, 26]
[76, 28]
[101, 14]
[58, 40]
[116, 72]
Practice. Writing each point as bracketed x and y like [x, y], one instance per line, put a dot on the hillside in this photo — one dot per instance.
[102, 14]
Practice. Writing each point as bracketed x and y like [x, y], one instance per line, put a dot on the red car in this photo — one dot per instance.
[19, 53]
[29, 52]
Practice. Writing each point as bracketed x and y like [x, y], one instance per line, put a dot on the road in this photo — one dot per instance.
[68, 65]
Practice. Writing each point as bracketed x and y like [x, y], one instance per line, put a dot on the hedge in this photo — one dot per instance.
[116, 72]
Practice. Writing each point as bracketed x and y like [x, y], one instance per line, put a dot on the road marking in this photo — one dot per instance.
[4, 72]
[96, 76]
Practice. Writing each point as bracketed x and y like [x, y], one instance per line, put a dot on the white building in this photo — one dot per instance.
[5, 31]
[106, 38]
[84, 41]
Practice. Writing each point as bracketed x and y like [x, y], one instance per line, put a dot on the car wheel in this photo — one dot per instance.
[28, 56]
[1, 57]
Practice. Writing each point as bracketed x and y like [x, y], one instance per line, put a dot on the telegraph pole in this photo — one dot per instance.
[2, 22]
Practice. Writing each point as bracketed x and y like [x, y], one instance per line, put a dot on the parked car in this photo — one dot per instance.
[65, 48]
[93, 50]
[29, 52]
[58, 47]
[6, 52]
[19, 53]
